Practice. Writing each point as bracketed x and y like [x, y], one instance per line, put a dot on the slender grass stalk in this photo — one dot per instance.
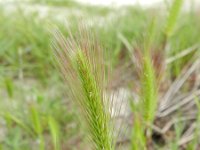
[138, 139]
[81, 63]
[174, 12]
[172, 18]
[54, 132]
[147, 107]
[35, 118]
[145, 114]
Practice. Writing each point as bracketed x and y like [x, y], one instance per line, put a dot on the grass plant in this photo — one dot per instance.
[81, 63]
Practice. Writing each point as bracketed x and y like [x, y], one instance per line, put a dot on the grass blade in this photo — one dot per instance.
[35, 118]
[53, 126]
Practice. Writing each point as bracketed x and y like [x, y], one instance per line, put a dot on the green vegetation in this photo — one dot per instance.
[151, 53]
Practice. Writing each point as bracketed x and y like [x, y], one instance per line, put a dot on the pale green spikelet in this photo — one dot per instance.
[93, 105]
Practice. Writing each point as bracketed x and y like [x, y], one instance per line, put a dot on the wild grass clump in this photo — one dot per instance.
[81, 63]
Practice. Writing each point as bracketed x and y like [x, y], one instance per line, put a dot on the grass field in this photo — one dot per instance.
[152, 54]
